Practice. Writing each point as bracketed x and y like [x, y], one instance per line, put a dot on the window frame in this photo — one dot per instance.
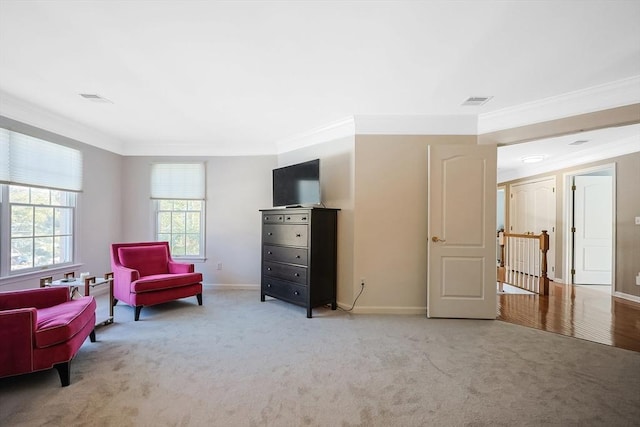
[201, 239]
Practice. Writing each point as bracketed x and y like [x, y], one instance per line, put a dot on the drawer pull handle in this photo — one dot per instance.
[297, 274]
[297, 256]
[268, 268]
[296, 293]
[268, 285]
[269, 253]
[288, 218]
[297, 234]
[270, 234]
[279, 218]
[304, 218]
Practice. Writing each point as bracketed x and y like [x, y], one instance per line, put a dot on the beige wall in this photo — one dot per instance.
[390, 222]
[627, 249]
[337, 188]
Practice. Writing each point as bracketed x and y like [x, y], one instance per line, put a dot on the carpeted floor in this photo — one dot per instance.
[238, 362]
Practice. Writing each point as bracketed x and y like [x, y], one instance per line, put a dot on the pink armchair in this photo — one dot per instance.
[42, 329]
[145, 274]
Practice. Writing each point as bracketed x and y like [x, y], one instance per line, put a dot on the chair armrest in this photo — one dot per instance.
[37, 298]
[180, 267]
[125, 275]
[17, 328]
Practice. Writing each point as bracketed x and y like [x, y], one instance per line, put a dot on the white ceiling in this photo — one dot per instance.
[236, 77]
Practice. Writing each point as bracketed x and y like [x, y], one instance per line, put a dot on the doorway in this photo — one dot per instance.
[590, 233]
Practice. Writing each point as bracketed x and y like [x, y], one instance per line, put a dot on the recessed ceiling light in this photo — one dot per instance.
[532, 159]
[95, 98]
[579, 142]
[476, 100]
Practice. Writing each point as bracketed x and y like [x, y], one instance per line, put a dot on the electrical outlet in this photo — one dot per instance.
[638, 279]
[219, 266]
[638, 220]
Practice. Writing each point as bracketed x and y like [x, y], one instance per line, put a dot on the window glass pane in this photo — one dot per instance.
[165, 205]
[177, 245]
[164, 222]
[178, 222]
[18, 194]
[43, 222]
[21, 221]
[194, 205]
[192, 245]
[21, 250]
[43, 251]
[193, 222]
[63, 249]
[180, 205]
[57, 198]
[40, 196]
[63, 221]
[165, 238]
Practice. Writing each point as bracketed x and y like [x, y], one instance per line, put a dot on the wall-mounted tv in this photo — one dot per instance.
[297, 185]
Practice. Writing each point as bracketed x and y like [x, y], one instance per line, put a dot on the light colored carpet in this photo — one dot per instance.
[239, 362]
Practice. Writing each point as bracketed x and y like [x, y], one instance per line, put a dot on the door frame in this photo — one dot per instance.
[567, 206]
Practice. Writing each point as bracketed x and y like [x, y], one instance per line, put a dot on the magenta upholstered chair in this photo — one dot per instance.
[145, 274]
[42, 329]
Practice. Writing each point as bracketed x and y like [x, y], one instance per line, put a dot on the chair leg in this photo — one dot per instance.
[115, 301]
[65, 372]
[138, 309]
[199, 296]
[92, 336]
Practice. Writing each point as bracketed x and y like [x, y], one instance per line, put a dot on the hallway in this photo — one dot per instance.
[589, 313]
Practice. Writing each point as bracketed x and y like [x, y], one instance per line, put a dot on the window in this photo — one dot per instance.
[38, 185]
[41, 231]
[179, 222]
[178, 190]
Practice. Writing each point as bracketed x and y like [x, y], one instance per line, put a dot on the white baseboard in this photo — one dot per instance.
[250, 287]
[629, 297]
[385, 310]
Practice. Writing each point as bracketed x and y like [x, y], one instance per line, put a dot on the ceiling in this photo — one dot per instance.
[237, 77]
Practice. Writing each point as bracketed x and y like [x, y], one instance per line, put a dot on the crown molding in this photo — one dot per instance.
[27, 113]
[595, 98]
[332, 131]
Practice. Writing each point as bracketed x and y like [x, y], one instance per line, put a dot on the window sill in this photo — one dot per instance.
[36, 275]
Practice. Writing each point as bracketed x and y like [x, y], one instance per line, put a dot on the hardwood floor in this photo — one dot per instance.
[576, 311]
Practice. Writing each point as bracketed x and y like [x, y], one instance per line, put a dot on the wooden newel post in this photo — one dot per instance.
[544, 248]
[501, 271]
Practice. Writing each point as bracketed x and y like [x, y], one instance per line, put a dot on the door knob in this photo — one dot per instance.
[436, 239]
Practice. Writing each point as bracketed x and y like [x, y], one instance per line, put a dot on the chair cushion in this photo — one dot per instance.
[165, 281]
[61, 322]
[148, 260]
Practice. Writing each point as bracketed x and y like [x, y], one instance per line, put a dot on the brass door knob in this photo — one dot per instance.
[436, 239]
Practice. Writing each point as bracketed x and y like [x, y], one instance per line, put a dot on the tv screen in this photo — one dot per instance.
[297, 184]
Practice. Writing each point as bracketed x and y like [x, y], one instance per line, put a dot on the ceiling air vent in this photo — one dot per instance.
[95, 98]
[477, 100]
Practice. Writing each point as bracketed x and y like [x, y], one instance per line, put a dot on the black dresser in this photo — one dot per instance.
[299, 247]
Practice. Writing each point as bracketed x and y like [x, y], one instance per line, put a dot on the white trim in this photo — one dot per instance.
[332, 131]
[451, 124]
[25, 112]
[237, 287]
[595, 98]
[628, 297]
[385, 310]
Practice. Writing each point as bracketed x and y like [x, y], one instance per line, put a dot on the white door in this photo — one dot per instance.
[532, 209]
[461, 281]
[592, 207]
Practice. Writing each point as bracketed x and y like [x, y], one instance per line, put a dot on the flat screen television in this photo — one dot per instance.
[297, 185]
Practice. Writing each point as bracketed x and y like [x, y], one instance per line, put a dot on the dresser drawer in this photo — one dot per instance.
[285, 234]
[283, 290]
[272, 218]
[296, 218]
[292, 273]
[284, 254]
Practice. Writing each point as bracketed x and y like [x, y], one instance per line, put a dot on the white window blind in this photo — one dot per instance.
[178, 181]
[25, 160]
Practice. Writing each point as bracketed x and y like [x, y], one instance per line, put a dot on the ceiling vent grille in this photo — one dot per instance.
[477, 100]
[95, 98]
